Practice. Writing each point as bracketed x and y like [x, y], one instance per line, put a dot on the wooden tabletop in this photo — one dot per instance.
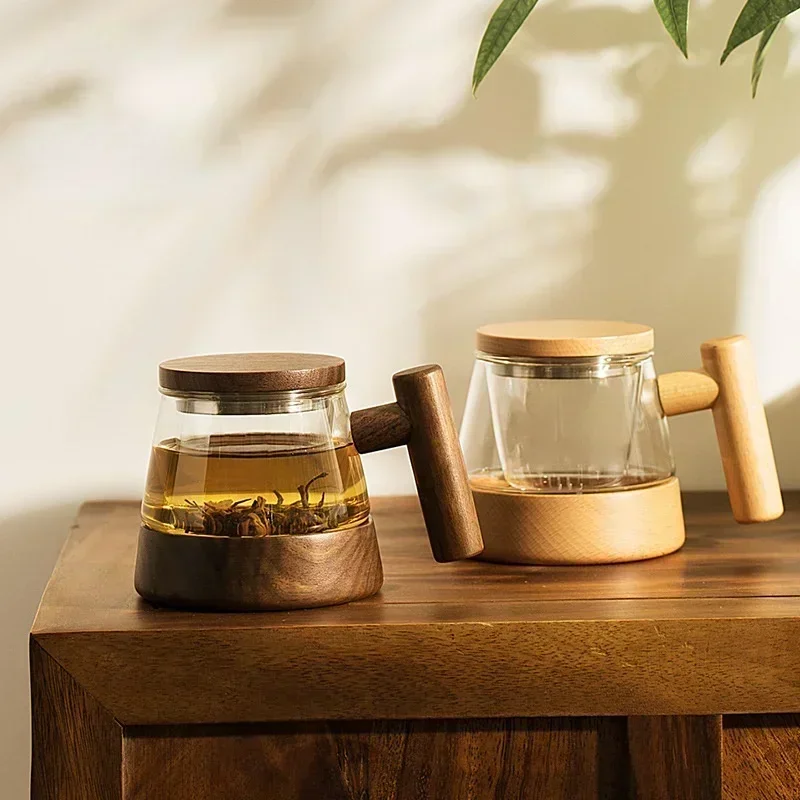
[712, 629]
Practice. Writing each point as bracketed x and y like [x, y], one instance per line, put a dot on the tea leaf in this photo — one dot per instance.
[675, 16]
[505, 22]
[761, 53]
[755, 17]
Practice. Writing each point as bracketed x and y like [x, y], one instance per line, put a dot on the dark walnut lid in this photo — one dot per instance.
[250, 373]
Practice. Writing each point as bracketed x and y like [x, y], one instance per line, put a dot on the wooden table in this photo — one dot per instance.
[457, 681]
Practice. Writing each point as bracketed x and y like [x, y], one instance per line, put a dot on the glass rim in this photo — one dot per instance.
[252, 403]
[564, 368]
[565, 361]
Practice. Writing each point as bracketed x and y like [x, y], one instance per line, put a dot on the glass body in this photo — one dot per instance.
[254, 465]
[565, 425]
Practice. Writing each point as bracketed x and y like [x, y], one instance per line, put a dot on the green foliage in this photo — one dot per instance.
[505, 22]
[761, 52]
[675, 16]
[757, 16]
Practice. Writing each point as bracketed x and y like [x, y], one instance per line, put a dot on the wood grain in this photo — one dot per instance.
[720, 560]
[685, 392]
[76, 744]
[676, 757]
[742, 431]
[438, 464]
[592, 528]
[517, 759]
[711, 629]
[564, 338]
[258, 573]
[380, 428]
[704, 632]
[762, 757]
[232, 373]
[564, 668]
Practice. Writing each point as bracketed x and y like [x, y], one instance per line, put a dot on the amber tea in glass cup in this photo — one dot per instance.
[255, 496]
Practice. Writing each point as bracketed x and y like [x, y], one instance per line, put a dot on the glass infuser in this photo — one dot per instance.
[255, 495]
[567, 446]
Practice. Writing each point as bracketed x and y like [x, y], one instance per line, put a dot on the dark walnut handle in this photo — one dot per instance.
[421, 420]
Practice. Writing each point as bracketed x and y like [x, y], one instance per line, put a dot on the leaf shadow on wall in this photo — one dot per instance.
[661, 242]
[598, 174]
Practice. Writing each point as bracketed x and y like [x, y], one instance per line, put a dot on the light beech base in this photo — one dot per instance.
[592, 528]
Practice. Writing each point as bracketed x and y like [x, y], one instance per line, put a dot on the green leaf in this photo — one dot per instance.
[675, 16]
[755, 17]
[761, 53]
[505, 22]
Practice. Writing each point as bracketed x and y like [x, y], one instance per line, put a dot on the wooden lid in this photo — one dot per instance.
[243, 373]
[564, 338]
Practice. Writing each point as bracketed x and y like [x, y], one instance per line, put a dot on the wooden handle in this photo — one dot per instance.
[684, 392]
[380, 428]
[742, 432]
[438, 464]
[422, 420]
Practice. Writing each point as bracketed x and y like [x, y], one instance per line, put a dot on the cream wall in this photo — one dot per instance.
[313, 174]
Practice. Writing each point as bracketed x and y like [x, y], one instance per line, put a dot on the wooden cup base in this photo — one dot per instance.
[271, 573]
[591, 528]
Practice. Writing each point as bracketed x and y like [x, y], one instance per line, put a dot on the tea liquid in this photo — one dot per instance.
[301, 482]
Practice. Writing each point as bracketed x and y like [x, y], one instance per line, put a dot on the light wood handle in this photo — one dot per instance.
[742, 432]
[422, 420]
[684, 392]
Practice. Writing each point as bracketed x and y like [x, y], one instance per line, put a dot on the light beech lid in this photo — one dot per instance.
[248, 373]
[564, 338]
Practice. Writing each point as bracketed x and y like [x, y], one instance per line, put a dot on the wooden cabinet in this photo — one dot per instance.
[676, 678]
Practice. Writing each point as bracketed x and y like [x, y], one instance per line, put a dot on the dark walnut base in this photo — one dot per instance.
[271, 573]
